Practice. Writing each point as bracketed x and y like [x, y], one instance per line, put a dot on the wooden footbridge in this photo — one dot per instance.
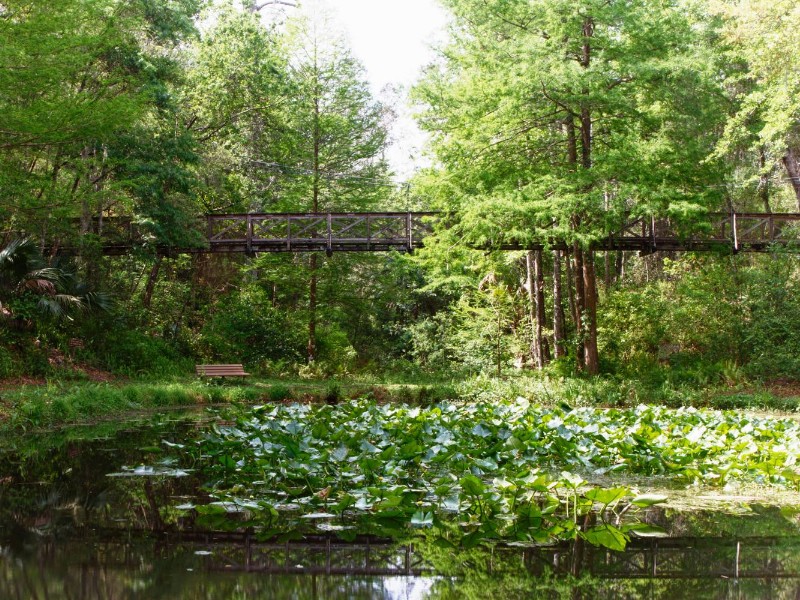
[405, 231]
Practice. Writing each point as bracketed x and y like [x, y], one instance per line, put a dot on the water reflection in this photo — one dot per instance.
[67, 530]
[93, 565]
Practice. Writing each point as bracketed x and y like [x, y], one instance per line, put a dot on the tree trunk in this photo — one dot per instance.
[573, 309]
[763, 180]
[586, 275]
[537, 309]
[790, 161]
[312, 285]
[498, 344]
[580, 305]
[559, 348]
[536, 330]
[86, 214]
[151, 283]
[591, 358]
[541, 311]
[312, 310]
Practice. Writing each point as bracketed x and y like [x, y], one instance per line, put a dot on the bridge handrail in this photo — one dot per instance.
[405, 230]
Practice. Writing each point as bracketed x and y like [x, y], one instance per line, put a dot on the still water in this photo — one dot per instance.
[90, 513]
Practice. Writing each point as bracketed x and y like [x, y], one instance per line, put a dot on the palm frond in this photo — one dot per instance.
[48, 273]
[42, 286]
[23, 269]
[20, 256]
[97, 301]
[59, 305]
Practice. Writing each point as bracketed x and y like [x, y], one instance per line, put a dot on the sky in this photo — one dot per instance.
[394, 39]
[391, 37]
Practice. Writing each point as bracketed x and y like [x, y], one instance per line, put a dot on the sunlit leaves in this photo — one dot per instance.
[606, 535]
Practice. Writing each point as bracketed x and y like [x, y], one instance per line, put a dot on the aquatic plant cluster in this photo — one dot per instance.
[501, 470]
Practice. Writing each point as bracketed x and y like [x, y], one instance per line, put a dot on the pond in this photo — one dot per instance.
[132, 511]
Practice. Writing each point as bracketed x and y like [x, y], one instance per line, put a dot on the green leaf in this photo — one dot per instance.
[572, 480]
[481, 431]
[645, 530]
[472, 486]
[606, 496]
[339, 454]
[649, 499]
[607, 536]
[422, 519]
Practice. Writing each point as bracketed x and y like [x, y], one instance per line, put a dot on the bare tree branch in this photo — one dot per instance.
[255, 6]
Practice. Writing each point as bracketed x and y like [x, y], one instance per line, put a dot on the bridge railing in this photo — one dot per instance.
[755, 232]
[318, 231]
[405, 231]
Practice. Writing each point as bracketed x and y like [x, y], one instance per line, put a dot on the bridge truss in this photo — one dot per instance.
[405, 231]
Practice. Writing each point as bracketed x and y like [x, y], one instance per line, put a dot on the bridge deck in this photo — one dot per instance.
[370, 232]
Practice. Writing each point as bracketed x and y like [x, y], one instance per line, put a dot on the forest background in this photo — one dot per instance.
[539, 112]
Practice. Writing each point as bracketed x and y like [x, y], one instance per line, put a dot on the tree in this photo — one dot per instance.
[552, 119]
[330, 156]
[75, 84]
[237, 87]
[764, 41]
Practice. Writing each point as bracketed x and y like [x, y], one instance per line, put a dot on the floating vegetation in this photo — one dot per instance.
[496, 470]
[148, 471]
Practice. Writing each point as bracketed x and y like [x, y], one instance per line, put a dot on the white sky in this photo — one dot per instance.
[391, 37]
[394, 39]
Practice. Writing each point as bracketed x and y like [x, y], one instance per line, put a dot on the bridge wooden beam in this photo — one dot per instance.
[403, 231]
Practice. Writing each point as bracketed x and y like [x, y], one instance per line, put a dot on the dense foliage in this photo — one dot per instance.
[545, 117]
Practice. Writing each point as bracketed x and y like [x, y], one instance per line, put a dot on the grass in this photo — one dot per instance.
[58, 403]
[61, 401]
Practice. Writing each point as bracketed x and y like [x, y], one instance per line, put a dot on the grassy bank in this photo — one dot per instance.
[56, 402]
[29, 406]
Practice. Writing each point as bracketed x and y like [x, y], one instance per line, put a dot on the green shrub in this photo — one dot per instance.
[279, 393]
[6, 363]
[246, 328]
[335, 351]
[133, 353]
[333, 393]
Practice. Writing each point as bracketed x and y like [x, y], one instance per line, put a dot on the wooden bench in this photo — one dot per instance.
[221, 371]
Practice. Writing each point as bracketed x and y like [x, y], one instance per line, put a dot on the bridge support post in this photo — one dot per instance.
[329, 245]
[653, 233]
[409, 234]
[249, 235]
